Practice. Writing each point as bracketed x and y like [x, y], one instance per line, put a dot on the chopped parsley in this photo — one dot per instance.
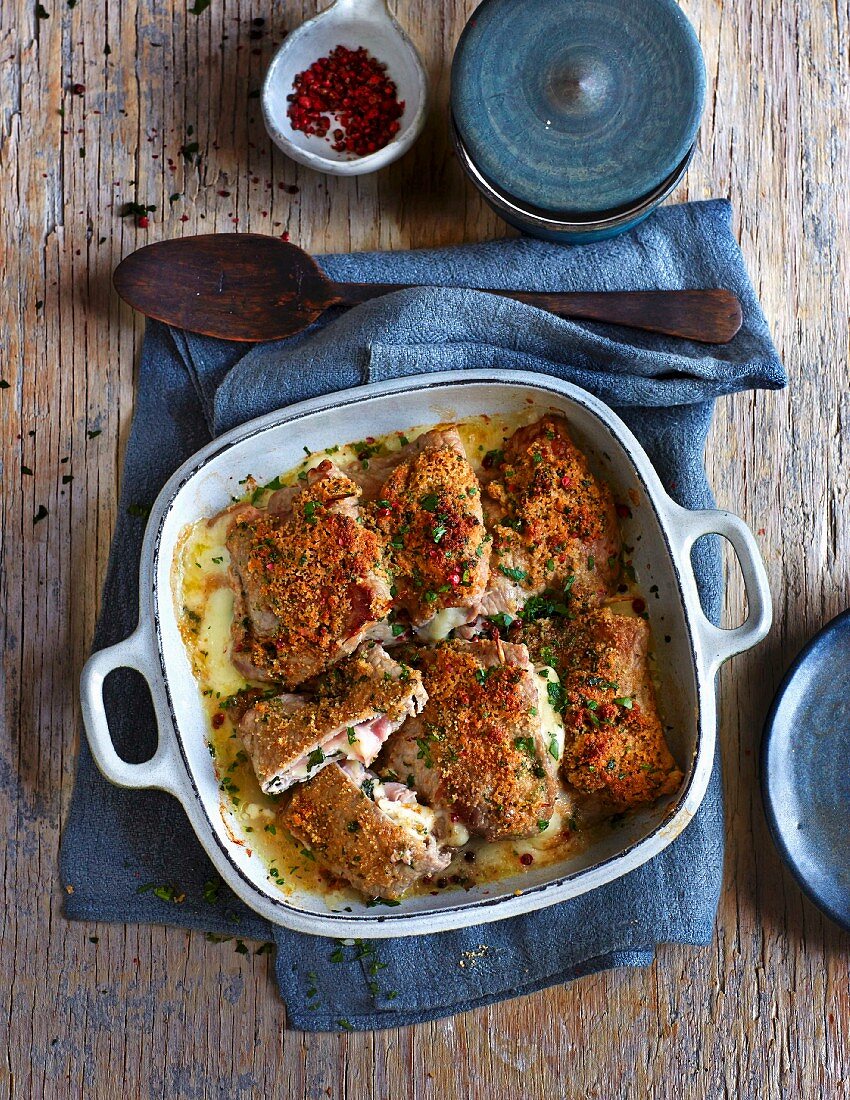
[135, 210]
[513, 574]
[557, 695]
[546, 606]
[171, 893]
[601, 682]
[424, 744]
[211, 890]
[430, 502]
[315, 758]
[366, 450]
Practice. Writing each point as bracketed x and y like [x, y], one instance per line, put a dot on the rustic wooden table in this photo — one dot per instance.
[104, 104]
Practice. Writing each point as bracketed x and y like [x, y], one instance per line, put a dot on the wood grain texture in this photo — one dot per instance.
[148, 1012]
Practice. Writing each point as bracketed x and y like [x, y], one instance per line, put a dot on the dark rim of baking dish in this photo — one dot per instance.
[332, 918]
[776, 831]
[570, 221]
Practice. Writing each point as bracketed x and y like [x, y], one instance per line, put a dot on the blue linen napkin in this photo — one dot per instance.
[119, 845]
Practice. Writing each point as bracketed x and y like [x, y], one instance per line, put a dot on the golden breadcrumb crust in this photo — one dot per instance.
[347, 833]
[312, 569]
[615, 742]
[429, 515]
[480, 734]
[276, 736]
[557, 522]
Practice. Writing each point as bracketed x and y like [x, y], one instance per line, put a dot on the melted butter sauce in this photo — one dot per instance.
[204, 604]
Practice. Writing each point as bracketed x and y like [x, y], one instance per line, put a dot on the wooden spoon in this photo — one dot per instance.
[245, 286]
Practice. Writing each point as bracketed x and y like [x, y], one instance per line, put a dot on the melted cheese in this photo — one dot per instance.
[214, 643]
[410, 815]
[443, 623]
[454, 833]
[551, 722]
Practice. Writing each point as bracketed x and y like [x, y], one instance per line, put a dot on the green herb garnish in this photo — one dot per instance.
[513, 574]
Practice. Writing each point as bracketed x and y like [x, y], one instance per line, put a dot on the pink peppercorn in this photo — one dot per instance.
[352, 86]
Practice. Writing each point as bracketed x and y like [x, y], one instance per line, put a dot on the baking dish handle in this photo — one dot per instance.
[718, 644]
[163, 770]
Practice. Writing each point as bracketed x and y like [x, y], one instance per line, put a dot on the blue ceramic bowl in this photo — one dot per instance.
[805, 781]
[572, 229]
[576, 117]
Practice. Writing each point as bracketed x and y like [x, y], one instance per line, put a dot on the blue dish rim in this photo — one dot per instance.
[769, 730]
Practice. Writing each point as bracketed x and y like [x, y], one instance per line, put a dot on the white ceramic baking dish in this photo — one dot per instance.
[661, 532]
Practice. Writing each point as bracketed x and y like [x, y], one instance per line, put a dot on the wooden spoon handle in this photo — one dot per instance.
[707, 316]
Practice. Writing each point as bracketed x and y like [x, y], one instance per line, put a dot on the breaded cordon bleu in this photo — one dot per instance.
[307, 579]
[429, 515]
[351, 714]
[554, 524]
[371, 833]
[615, 746]
[480, 750]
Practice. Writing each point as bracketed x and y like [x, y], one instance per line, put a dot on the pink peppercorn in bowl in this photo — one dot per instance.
[346, 93]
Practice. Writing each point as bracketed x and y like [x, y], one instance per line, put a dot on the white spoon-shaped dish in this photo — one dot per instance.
[349, 23]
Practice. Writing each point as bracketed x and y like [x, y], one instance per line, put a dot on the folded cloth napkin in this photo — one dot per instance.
[131, 856]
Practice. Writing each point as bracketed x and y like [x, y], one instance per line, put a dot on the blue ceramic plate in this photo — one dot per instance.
[578, 106]
[805, 777]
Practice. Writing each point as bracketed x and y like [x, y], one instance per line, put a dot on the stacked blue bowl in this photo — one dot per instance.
[576, 118]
